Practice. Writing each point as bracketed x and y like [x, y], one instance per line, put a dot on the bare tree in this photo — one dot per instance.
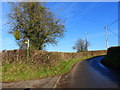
[81, 45]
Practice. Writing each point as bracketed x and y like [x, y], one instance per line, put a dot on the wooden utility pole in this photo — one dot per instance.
[86, 41]
[119, 24]
[106, 31]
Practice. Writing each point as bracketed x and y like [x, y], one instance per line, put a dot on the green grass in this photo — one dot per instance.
[18, 72]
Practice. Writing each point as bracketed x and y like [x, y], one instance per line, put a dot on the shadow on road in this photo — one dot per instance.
[112, 74]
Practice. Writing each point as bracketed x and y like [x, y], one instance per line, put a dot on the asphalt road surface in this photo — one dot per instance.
[91, 73]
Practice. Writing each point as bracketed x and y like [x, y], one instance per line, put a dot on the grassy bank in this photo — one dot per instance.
[18, 72]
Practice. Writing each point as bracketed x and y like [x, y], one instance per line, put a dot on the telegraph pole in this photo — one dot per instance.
[86, 41]
[119, 27]
[106, 31]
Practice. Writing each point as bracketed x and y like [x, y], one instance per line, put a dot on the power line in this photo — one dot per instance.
[106, 30]
[113, 32]
[113, 22]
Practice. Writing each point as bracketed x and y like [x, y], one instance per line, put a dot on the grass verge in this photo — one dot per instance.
[18, 72]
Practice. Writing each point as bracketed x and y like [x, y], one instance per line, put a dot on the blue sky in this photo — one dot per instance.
[79, 17]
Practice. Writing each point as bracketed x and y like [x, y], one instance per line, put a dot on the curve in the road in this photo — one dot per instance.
[91, 73]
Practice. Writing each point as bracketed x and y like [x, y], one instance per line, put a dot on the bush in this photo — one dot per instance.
[112, 59]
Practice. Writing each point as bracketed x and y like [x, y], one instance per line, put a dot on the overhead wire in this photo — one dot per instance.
[106, 27]
[113, 32]
[113, 22]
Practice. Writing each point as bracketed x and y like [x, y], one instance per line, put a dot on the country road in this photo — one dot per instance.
[91, 73]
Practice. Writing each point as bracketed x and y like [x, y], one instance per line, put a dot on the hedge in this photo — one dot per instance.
[43, 57]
